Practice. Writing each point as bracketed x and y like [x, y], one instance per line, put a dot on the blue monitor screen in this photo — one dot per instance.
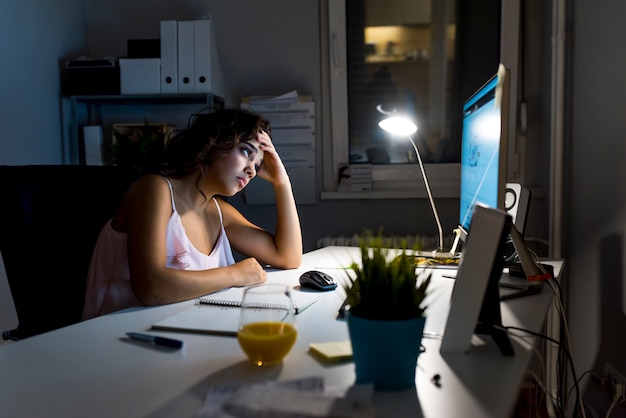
[480, 151]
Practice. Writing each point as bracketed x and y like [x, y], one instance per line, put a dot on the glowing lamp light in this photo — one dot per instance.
[398, 125]
[403, 126]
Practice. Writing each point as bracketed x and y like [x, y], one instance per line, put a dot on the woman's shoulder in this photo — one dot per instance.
[222, 203]
[230, 213]
[151, 179]
[148, 186]
[146, 193]
[150, 182]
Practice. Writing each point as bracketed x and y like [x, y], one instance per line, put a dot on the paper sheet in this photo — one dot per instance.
[300, 398]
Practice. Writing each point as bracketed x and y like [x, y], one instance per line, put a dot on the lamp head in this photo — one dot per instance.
[398, 125]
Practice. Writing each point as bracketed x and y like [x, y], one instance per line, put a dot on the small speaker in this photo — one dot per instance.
[516, 203]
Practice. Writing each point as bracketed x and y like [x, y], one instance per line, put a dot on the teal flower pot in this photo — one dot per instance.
[385, 352]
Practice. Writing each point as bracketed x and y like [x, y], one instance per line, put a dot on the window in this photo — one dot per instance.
[420, 57]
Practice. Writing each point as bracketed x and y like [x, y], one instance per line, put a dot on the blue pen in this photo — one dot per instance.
[167, 342]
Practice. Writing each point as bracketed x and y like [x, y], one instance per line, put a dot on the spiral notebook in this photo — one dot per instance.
[218, 313]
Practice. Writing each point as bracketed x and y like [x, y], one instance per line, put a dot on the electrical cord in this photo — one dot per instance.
[561, 360]
[565, 330]
[563, 336]
[546, 394]
[618, 398]
[571, 361]
[579, 380]
[540, 383]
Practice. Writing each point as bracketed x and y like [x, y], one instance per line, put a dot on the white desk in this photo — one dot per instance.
[88, 370]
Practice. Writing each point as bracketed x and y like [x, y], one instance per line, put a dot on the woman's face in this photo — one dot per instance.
[232, 172]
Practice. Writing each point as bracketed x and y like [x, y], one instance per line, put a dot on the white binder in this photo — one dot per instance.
[185, 56]
[169, 57]
[202, 56]
[207, 70]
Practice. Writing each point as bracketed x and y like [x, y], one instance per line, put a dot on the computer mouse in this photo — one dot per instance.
[317, 280]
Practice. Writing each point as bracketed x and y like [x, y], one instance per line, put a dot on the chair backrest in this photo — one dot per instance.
[50, 218]
[8, 315]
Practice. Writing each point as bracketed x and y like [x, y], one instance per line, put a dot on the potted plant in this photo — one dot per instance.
[386, 314]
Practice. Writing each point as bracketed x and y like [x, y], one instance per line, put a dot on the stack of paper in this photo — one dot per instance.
[289, 97]
[355, 178]
[302, 398]
[292, 121]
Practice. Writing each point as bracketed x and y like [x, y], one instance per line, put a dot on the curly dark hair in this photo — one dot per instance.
[209, 136]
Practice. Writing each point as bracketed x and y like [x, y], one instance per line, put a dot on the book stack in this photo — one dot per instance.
[292, 118]
[355, 178]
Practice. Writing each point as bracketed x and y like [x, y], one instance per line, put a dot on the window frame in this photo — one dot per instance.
[397, 180]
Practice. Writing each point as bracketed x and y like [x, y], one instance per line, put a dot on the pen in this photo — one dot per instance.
[168, 342]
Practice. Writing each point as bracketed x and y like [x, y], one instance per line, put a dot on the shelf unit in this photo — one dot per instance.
[74, 149]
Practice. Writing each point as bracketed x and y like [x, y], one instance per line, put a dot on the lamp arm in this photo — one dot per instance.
[430, 196]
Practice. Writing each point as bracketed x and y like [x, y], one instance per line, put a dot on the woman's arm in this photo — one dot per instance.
[283, 249]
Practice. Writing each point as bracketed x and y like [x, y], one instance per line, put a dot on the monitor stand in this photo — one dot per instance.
[457, 239]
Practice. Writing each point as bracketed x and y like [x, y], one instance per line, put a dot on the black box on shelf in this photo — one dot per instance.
[91, 77]
[143, 48]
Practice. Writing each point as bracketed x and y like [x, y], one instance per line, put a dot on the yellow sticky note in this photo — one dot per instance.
[332, 351]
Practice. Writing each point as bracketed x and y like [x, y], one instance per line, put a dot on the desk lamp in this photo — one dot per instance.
[403, 126]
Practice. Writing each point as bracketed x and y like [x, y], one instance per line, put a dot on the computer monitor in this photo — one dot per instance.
[484, 141]
[484, 149]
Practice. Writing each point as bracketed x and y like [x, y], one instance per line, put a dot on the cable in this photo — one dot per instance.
[565, 330]
[564, 335]
[571, 361]
[618, 398]
[554, 399]
[547, 394]
[564, 357]
[579, 380]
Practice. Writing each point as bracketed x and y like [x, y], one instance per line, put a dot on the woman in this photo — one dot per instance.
[171, 237]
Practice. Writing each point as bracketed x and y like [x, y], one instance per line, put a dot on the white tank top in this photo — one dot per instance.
[108, 280]
[182, 254]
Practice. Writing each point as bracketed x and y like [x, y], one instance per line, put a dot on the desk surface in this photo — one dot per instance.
[87, 369]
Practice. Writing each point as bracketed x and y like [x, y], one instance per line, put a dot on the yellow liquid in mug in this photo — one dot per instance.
[266, 343]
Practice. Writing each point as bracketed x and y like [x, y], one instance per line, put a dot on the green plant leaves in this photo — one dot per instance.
[386, 287]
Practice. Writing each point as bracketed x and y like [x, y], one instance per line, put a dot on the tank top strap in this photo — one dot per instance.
[219, 211]
[172, 195]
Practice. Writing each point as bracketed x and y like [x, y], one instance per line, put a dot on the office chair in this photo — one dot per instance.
[8, 316]
[50, 218]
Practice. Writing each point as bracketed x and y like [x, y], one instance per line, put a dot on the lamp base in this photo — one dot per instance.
[436, 254]
[436, 258]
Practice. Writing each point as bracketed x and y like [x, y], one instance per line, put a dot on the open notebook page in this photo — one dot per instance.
[221, 318]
